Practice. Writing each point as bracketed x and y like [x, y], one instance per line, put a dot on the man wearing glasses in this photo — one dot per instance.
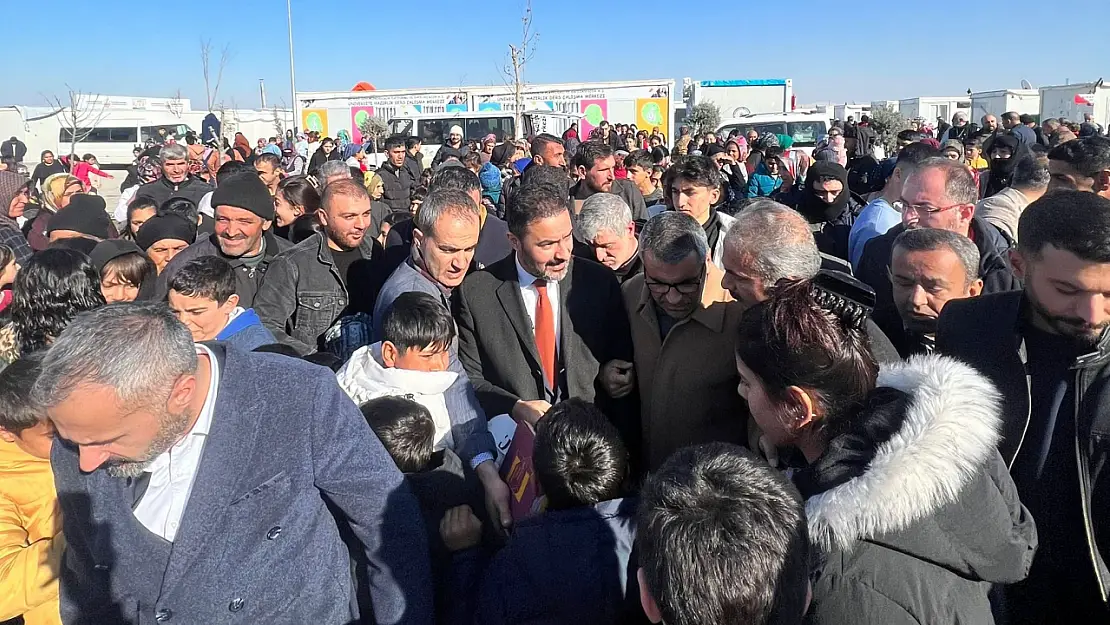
[940, 194]
[683, 334]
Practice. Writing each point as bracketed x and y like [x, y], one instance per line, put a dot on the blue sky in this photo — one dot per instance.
[895, 50]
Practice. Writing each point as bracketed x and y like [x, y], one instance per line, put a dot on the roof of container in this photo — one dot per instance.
[754, 82]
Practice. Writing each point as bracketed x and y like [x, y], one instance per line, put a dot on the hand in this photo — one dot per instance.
[497, 495]
[769, 451]
[530, 412]
[618, 377]
[460, 529]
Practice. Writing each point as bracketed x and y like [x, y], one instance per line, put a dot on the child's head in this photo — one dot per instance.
[417, 333]
[579, 457]
[723, 538]
[21, 420]
[123, 269]
[405, 429]
[202, 295]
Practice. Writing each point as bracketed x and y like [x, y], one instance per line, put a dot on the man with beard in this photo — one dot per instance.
[1046, 349]
[243, 236]
[827, 204]
[194, 484]
[525, 343]
[452, 148]
[595, 163]
[335, 273]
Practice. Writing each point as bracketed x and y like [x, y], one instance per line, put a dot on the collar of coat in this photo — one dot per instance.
[951, 428]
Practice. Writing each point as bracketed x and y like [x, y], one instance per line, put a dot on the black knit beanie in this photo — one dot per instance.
[246, 191]
[85, 214]
[162, 227]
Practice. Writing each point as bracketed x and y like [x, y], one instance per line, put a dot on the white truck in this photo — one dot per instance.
[1023, 101]
[645, 103]
[737, 98]
[1075, 100]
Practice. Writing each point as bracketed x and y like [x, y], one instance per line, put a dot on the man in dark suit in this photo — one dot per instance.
[537, 327]
[194, 484]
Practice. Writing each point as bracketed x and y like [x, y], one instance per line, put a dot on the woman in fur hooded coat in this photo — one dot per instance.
[910, 507]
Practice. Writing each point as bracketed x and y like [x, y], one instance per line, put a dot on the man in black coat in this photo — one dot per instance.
[503, 340]
[397, 180]
[176, 180]
[595, 164]
[1047, 351]
[940, 194]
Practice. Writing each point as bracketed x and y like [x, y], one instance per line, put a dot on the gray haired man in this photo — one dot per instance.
[684, 329]
[194, 484]
[175, 180]
[769, 242]
[605, 225]
[929, 268]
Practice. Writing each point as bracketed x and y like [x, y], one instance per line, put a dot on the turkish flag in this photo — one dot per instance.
[1086, 99]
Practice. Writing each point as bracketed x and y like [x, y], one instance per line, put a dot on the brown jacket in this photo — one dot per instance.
[688, 382]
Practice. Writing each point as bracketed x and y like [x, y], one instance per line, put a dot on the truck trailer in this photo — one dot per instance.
[737, 98]
[645, 103]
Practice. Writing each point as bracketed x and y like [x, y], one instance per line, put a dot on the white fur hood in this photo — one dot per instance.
[947, 440]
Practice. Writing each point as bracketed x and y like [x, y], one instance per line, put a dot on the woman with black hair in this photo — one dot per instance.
[295, 197]
[50, 290]
[908, 501]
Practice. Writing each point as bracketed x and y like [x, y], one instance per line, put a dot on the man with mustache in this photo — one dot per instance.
[1047, 350]
[194, 485]
[525, 340]
[332, 275]
[243, 236]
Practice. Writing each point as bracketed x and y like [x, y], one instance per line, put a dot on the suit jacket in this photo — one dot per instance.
[498, 347]
[687, 381]
[260, 539]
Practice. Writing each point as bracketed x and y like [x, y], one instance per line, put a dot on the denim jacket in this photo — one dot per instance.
[303, 294]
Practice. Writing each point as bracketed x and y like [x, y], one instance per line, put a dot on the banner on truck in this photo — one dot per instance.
[315, 119]
[359, 115]
[651, 112]
[593, 113]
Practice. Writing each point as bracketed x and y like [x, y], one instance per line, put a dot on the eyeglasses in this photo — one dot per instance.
[903, 208]
[685, 288]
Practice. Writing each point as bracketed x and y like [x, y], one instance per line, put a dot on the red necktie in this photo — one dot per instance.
[545, 333]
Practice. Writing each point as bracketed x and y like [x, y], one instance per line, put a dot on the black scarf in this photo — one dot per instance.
[815, 209]
[712, 228]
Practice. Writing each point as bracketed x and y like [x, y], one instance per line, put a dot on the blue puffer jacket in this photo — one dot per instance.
[246, 332]
[762, 183]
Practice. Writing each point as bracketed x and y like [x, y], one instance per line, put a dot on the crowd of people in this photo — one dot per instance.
[558, 380]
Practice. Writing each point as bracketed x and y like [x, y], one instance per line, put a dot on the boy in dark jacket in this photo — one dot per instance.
[202, 295]
[450, 495]
[571, 564]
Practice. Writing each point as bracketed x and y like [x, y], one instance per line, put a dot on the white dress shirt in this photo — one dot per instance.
[531, 295]
[172, 473]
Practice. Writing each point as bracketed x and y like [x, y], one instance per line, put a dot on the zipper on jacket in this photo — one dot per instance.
[1023, 357]
[1081, 465]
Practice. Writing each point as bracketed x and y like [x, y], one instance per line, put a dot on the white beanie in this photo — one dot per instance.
[456, 130]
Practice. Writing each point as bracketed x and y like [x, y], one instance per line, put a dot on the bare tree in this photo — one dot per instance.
[212, 86]
[78, 113]
[518, 58]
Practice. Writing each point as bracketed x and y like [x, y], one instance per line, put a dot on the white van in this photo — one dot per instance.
[114, 145]
[434, 128]
[806, 128]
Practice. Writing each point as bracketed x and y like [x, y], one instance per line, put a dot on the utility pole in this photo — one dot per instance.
[262, 92]
[292, 71]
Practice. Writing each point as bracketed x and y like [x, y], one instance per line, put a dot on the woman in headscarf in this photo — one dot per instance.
[241, 149]
[1005, 153]
[46, 168]
[342, 140]
[375, 186]
[147, 170]
[827, 204]
[56, 194]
